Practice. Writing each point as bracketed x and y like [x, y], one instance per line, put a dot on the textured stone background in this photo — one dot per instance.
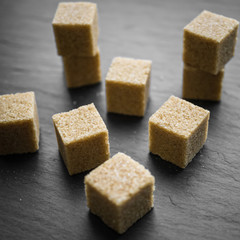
[39, 200]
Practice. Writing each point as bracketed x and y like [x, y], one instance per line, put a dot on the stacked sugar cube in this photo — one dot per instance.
[208, 44]
[75, 26]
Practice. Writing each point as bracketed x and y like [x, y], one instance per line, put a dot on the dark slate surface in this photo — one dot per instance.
[39, 200]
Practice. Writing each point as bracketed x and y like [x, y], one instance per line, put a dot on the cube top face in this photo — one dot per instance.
[212, 26]
[75, 13]
[17, 107]
[119, 178]
[79, 123]
[179, 117]
[129, 71]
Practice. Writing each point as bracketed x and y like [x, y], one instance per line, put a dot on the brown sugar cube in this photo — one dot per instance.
[209, 41]
[82, 138]
[177, 131]
[127, 86]
[82, 71]
[19, 123]
[120, 191]
[75, 27]
[201, 85]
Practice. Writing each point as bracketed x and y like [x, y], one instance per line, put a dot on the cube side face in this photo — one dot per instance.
[74, 40]
[61, 146]
[100, 205]
[146, 93]
[87, 153]
[119, 217]
[201, 85]
[200, 52]
[135, 208]
[125, 99]
[18, 137]
[227, 48]
[95, 34]
[36, 125]
[81, 71]
[197, 139]
[169, 146]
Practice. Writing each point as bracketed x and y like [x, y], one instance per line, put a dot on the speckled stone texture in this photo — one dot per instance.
[201, 85]
[82, 71]
[75, 26]
[120, 192]
[127, 86]
[209, 41]
[19, 123]
[178, 130]
[82, 138]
